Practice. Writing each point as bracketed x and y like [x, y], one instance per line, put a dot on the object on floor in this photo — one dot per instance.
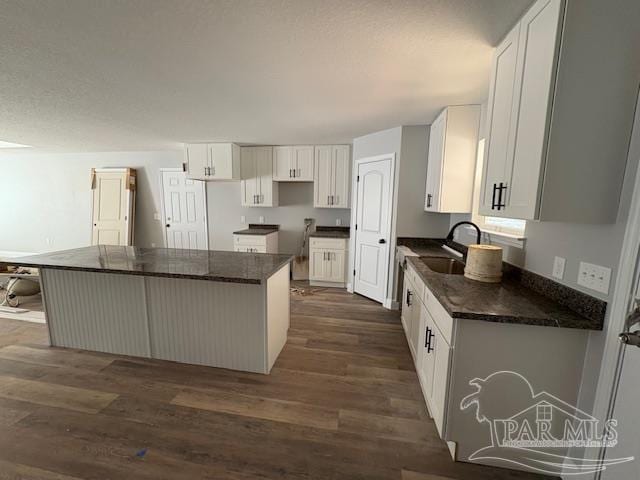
[23, 282]
[301, 261]
[114, 195]
[484, 263]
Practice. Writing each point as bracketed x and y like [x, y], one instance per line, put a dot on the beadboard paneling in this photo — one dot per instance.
[207, 323]
[97, 311]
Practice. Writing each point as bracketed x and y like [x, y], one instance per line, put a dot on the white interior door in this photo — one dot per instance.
[111, 205]
[185, 211]
[373, 228]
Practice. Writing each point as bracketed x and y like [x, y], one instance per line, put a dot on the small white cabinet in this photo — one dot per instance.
[257, 187]
[328, 262]
[212, 161]
[256, 243]
[331, 176]
[293, 163]
[451, 162]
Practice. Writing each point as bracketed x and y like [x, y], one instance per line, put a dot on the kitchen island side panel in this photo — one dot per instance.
[96, 311]
[219, 324]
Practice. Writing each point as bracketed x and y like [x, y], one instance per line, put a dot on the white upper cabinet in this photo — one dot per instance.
[546, 158]
[212, 161]
[293, 163]
[331, 176]
[453, 142]
[519, 110]
[257, 187]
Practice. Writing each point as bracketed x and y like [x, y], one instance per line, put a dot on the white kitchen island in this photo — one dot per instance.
[221, 309]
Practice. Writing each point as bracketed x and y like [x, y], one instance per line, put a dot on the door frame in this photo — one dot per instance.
[388, 302]
[628, 269]
[164, 212]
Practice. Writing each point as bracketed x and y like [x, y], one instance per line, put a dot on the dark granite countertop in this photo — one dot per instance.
[522, 297]
[330, 232]
[218, 266]
[258, 229]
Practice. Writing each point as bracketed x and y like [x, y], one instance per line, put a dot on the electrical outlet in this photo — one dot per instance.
[338, 222]
[153, 245]
[243, 219]
[594, 277]
[558, 267]
[261, 219]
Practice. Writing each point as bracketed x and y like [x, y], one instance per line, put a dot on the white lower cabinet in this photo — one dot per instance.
[328, 262]
[256, 243]
[455, 357]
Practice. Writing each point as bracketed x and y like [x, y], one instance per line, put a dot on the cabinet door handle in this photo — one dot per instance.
[294, 173]
[290, 175]
[493, 196]
[408, 298]
[429, 196]
[328, 199]
[428, 336]
[502, 188]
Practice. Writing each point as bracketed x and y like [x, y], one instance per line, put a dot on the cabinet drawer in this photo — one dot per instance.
[328, 243]
[442, 319]
[250, 240]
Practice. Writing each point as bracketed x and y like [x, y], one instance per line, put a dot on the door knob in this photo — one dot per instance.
[630, 338]
[382, 240]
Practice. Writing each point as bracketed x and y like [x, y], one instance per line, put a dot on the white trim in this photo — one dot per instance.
[392, 218]
[164, 213]
[620, 306]
[391, 304]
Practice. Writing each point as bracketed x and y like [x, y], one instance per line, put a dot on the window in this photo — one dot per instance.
[505, 227]
[544, 413]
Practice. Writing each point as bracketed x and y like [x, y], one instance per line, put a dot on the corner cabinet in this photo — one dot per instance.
[212, 161]
[331, 176]
[257, 187]
[293, 163]
[451, 163]
[545, 156]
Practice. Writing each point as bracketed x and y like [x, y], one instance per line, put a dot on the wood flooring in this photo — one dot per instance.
[342, 402]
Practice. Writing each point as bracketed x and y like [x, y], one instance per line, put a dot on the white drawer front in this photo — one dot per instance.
[250, 240]
[329, 243]
[443, 320]
[250, 249]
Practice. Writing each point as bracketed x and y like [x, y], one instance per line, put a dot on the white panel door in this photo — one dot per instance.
[499, 145]
[185, 211]
[435, 161]
[340, 166]
[302, 162]
[535, 72]
[110, 209]
[322, 179]
[373, 225]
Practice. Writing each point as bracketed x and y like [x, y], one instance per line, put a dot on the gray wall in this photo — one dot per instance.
[48, 196]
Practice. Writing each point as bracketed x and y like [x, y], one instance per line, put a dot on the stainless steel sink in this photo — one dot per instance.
[450, 266]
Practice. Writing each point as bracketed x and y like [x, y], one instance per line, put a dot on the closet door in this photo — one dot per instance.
[111, 209]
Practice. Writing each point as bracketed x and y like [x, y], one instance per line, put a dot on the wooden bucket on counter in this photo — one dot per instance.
[484, 263]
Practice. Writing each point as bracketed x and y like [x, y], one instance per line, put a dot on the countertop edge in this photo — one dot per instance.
[514, 320]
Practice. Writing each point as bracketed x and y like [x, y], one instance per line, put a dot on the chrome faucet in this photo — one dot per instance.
[478, 236]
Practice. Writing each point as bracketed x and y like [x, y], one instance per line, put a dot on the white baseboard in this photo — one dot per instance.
[391, 304]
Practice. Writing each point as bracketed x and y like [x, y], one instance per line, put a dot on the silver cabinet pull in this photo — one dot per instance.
[290, 173]
[328, 199]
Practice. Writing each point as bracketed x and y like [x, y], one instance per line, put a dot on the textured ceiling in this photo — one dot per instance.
[87, 75]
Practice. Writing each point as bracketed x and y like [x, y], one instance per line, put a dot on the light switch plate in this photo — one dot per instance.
[594, 277]
[261, 219]
[157, 216]
[558, 267]
[338, 222]
[243, 219]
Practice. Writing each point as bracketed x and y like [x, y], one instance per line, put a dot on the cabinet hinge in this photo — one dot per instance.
[184, 166]
[356, 226]
[358, 178]
[354, 273]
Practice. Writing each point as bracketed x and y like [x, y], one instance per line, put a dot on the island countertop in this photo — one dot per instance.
[212, 265]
